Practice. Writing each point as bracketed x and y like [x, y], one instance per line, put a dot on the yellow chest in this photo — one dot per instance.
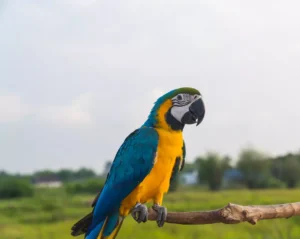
[158, 181]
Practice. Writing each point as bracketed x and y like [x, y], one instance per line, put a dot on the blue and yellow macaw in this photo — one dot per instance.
[143, 166]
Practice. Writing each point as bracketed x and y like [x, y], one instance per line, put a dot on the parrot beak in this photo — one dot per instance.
[195, 114]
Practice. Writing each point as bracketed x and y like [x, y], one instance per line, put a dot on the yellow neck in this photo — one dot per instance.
[161, 117]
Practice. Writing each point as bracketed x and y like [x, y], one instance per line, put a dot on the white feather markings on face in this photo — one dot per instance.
[179, 111]
[180, 107]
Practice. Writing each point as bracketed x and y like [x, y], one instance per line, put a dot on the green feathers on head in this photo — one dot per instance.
[184, 90]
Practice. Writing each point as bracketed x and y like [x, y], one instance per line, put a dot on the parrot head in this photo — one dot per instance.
[177, 108]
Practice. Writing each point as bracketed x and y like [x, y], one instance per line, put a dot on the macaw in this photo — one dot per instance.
[143, 166]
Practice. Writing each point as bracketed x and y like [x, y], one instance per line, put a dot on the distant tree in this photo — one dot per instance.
[84, 173]
[255, 168]
[45, 173]
[3, 174]
[13, 187]
[287, 169]
[211, 169]
[93, 186]
[65, 175]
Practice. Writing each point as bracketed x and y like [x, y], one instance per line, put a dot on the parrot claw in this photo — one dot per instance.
[140, 213]
[161, 214]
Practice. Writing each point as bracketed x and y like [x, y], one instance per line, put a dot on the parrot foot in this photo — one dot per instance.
[140, 213]
[161, 214]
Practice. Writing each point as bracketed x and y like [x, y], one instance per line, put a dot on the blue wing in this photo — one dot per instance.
[133, 161]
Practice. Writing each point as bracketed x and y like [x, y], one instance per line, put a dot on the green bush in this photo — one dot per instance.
[12, 187]
[268, 182]
[274, 183]
[92, 186]
[255, 167]
[287, 169]
[211, 169]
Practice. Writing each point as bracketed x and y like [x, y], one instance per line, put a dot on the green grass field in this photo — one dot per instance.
[51, 213]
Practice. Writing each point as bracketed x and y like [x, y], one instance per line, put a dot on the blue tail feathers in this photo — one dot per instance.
[107, 229]
[93, 233]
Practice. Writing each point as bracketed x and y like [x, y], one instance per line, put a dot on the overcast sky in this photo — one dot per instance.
[77, 76]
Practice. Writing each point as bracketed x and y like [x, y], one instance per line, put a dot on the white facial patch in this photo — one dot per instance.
[179, 111]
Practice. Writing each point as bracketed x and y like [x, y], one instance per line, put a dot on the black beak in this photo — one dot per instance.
[195, 114]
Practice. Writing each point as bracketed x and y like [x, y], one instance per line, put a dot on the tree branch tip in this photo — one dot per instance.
[231, 214]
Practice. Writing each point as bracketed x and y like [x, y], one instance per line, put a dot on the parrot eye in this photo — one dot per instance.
[195, 96]
[182, 99]
[179, 97]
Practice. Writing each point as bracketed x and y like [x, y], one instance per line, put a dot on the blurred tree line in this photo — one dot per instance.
[66, 175]
[83, 180]
[253, 169]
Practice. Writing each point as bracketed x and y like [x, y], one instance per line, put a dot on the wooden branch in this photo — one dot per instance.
[232, 214]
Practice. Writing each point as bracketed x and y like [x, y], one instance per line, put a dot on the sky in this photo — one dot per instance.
[77, 76]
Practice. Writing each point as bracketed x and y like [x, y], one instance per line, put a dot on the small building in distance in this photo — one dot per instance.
[189, 178]
[47, 181]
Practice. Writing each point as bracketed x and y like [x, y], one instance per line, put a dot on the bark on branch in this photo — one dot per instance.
[232, 214]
